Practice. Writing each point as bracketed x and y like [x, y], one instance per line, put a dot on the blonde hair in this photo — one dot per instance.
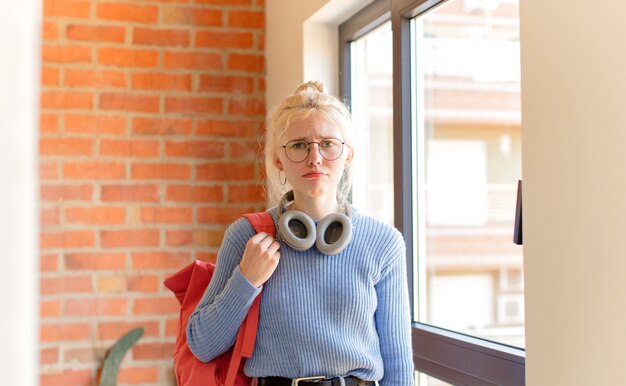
[308, 99]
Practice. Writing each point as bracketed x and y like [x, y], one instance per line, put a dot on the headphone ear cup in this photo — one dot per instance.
[297, 230]
[334, 233]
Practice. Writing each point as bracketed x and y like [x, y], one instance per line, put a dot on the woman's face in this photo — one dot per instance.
[315, 176]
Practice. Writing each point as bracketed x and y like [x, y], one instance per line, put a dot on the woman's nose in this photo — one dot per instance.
[314, 157]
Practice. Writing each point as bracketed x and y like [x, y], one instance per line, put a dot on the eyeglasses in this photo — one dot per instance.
[330, 149]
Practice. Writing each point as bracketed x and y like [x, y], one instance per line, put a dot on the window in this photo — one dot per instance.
[456, 159]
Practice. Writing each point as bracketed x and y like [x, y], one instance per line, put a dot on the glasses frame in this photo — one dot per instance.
[319, 149]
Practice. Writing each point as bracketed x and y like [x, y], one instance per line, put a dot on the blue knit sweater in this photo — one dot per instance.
[346, 314]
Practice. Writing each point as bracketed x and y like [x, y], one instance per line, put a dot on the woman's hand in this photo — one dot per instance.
[260, 258]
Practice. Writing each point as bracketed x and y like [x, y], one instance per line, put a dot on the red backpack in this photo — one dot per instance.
[189, 285]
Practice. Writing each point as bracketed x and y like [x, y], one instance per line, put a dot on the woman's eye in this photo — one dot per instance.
[327, 144]
[298, 146]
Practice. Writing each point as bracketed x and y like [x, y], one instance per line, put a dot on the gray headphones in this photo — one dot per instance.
[297, 229]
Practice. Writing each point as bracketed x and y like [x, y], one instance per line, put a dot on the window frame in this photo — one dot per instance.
[450, 356]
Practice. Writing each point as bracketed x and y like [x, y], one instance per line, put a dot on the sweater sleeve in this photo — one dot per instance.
[212, 327]
[393, 317]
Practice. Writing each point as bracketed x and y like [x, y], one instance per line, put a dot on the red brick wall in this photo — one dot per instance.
[150, 115]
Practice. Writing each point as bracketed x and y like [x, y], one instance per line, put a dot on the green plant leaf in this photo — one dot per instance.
[115, 355]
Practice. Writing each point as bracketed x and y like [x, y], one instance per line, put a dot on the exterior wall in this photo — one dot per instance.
[150, 114]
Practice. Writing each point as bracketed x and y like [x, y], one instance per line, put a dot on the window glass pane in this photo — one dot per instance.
[467, 161]
[371, 90]
[422, 379]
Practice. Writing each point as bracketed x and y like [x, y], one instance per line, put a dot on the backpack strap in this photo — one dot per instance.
[244, 345]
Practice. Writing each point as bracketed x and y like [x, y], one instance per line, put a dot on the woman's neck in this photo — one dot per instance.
[316, 207]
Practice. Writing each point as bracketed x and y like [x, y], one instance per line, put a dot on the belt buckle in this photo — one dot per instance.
[295, 381]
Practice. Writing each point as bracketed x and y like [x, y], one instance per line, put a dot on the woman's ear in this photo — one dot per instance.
[278, 164]
[349, 158]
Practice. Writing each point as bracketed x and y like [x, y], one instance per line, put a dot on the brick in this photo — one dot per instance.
[222, 215]
[161, 126]
[193, 60]
[156, 306]
[246, 193]
[49, 123]
[67, 378]
[49, 356]
[76, 9]
[51, 332]
[160, 81]
[238, 128]
[81, 355]
[249, 150]
[49, 216]
[129, 148]
[94, 261]
[195, 149]
[130, 193]
[194, 105]
[187, 193]
[95, 170]
[213, 39]
[178, 238]
[220, 171]
[172, 328]
[211, 257]
[260, 42]
[246, 19]
[247, 106]
[66, 285]
[49, 262]
[111, 283]
[225, 2]
[161, 37]
[139, 375]
[95, 215]
[193, 16]
[160, 215]
[50, 31]
[261, 85]
[50, 76]
[96, 307]
[50, 308]
[48, 171]
[152, 351]
[125, 57]
[208, 238]
[67, 239]
[144, 283]
[95, 124]
[115, 330]
[127, 12]
[160, 171]
[94, 78]
[66, 147]
[66, 100]
[246, 62]
[66, 192]
[129, 238]
[129, 102]
[66, 54]
[226, 84]
[160, 260]
[95, 33]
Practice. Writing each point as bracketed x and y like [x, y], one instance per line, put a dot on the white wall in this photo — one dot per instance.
[20, 28]
[574, 170]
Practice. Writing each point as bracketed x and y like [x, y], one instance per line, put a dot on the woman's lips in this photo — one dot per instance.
[314, 175]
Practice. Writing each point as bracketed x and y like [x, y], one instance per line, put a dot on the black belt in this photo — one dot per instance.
[314, 381]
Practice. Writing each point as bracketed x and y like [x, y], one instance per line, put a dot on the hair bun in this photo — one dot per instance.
[313, 86]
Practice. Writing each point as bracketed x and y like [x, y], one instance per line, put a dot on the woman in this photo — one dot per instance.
[342, 314]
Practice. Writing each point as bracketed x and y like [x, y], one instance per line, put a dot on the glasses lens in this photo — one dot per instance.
[331, 148]
[297, 151]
